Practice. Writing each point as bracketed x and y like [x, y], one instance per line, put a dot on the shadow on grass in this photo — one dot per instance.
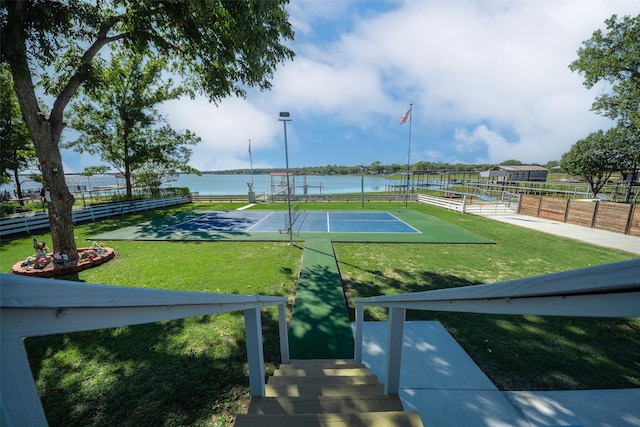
[181, 372]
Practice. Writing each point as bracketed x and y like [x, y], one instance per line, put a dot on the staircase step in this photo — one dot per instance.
[320, 364]
[324, 372]
[335, 363]
[296, 390]
[323, 380]
[377, 419]
[323, 404]
[326, 393]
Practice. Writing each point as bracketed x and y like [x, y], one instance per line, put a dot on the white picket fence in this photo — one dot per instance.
[33, 221]
[463, 206]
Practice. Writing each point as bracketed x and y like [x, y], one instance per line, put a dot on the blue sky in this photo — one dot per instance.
[489, 81]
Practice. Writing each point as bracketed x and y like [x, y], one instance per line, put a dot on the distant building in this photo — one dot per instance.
[631, 177]
[516, 173]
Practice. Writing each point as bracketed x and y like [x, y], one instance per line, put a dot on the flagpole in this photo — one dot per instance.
[406, 200]
[251, 163]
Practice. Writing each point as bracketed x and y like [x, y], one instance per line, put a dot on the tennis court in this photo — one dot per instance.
[394, 226]
[301, 222]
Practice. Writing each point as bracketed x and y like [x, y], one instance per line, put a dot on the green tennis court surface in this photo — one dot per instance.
[402, 226]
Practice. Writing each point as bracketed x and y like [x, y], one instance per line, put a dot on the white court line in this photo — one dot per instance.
[259, 222]
[409, 225]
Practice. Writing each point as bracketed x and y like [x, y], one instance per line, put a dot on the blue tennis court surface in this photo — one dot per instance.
[306, 222]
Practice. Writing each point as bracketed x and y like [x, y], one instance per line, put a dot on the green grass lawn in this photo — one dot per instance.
[194, 371]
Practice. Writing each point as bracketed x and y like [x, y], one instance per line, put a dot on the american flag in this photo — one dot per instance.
[406, 116]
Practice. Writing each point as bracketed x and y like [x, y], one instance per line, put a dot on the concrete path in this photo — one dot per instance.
[443, 384]
[594, 236]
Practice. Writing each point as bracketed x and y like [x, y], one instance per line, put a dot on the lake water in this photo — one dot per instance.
[210, 184]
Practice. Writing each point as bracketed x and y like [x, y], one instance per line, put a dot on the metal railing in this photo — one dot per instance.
[35, 307]
[610, 290]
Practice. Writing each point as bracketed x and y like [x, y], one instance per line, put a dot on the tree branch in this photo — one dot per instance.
[78, 78]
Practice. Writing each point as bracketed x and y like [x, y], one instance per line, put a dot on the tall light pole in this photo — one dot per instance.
[284, 118]
[362, 186]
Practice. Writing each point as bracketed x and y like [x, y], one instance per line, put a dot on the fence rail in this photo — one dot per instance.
[463, 205]
[443, 202]
[32, 221]
[36, 307]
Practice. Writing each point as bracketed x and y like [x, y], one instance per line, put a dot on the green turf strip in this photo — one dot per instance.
[320, 327]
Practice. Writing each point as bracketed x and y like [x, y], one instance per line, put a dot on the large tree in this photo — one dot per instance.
[16, 149]
[120, 121]
[613, 56]
[595, 158]
[217, 46]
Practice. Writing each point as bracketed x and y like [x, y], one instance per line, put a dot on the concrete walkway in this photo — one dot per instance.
[443, 384]
[594, 236]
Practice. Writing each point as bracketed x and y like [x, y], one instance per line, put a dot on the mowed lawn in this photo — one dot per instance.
[194, 371]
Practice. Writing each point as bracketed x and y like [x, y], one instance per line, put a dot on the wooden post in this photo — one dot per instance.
[394, 350]
[284, 336]
[357, 351]
[255, 354]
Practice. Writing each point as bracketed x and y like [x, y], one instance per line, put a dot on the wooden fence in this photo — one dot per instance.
[32, 221]
[617, 217]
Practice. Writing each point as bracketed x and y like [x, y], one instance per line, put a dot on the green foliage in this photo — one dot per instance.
[6, 209]
[613, 56]
[217, 47]
[511, 163]
[89, 171]
[16, 148]
[602, 154]
[117, 121]
[592, 159]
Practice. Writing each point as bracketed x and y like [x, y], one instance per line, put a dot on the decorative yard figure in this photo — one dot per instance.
[39, 246]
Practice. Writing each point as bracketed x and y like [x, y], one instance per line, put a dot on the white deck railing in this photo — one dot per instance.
[35, 307]
[611, 290]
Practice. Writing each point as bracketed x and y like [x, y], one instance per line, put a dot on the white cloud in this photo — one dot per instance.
[503, 63]
[494, 72]
[225, 131]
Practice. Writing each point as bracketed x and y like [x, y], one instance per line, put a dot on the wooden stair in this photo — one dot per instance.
[326, 392]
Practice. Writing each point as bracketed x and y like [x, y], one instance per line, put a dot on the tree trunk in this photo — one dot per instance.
[127, 178]
[16, 177]
[127, 163]
[61, 204]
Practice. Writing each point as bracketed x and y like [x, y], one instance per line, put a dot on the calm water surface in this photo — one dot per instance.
[209, 184]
